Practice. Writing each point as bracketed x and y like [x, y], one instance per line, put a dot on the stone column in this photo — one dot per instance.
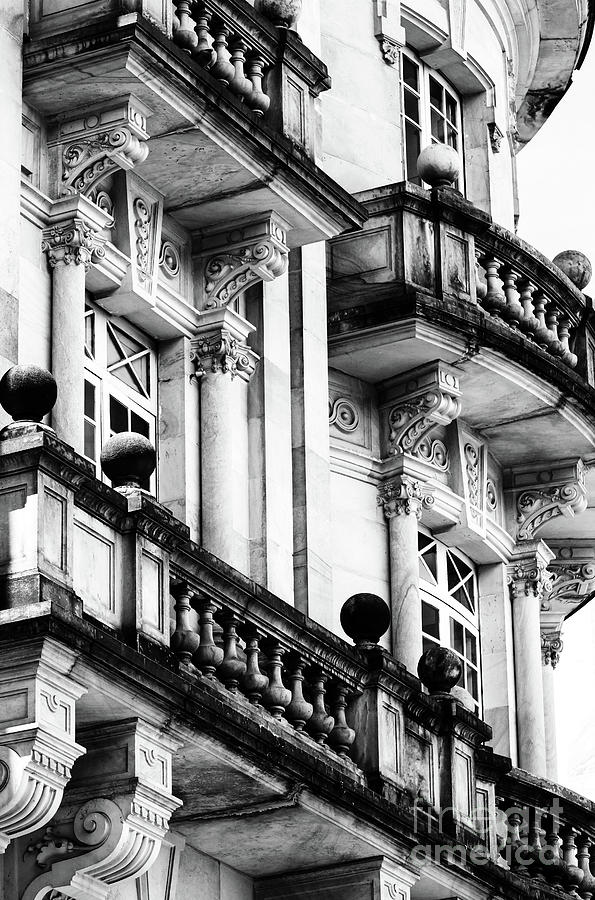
[402, 500]
[551, 647]
[223, 362]
[70, 243]
[527, 578]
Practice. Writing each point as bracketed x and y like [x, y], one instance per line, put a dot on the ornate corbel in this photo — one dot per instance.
[414, 405]
[240, 255]
[551, 648]
[544, 494]
[403, 496]
[389, 32]
[94, 842]
[37, 730]
[496, 137]
[220, 346]
[96, 143]
[573, 571]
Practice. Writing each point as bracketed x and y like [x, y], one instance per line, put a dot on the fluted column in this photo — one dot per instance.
[70, 243]
[551, 647]
[223, 363]
[402, 499]
[528, 578]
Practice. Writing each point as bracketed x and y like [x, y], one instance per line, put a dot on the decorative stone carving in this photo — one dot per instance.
[343, 414]
[75, 242]
[529, 577]
[542, 495]
[92, 146]
[551, 648]
[491, 496]
[403, 496]
[94, 842]
[241, 255]
[37, 730]
[416, 404]
[169, 259]
[389, 32]
[496, 137]
[222, 352]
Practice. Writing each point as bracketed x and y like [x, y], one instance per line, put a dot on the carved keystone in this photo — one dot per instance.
[37, 745]
[414, 405]
[240, 255]
[94, 842]
[542, 494]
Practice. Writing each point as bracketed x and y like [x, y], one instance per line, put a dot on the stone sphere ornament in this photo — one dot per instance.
[365, 618]
[28, 393]
[282, 13]
[128, 459]
[439, 669]
[439, 165]
[576, 266]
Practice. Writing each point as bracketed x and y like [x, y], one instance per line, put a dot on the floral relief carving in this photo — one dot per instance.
[143, 216]
[529, 578]
[403, 496]
[223, 353]
[75, 243]
[538, 505]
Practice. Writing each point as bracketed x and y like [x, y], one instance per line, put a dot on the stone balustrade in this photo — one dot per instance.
[546, 833]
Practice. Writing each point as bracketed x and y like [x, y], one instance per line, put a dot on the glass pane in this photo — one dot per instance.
[461, 596]
[428, 644]
[90, 400]
[139, 425]
[411, 106]
[89, 438]
[451, 108]
[410, 74]
[436, 94]
[124, 374]
[472, 685]
[90, 334]
[412, 151]
[142, 369]
[437, 126]
[430, 620]
[471, 647]
[456, 637]
[452, 138]
[118, 416]
[120, 345]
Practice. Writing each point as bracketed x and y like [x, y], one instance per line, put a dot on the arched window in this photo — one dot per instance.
[431, 111]
[448, 587]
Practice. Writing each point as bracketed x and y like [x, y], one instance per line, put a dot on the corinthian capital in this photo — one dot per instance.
[542, 494]
[414, 405]
[403, 496]
[220, 346]
[73, 235]
[242, 254]
[551, 648]
[527, 573]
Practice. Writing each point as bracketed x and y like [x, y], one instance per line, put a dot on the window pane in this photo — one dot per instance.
[452, 138]
[412, 151]
[90, 334]
[89, 438]
[437, 126]
[139, 425]
[428, 644]
[90, 400]
[411, 106]
[410, 73]
[471, 647]
[118, 416]
[436, 94]
[430, 620]
[142, 369]
[472, 685]
[456, 637]
[451, 108]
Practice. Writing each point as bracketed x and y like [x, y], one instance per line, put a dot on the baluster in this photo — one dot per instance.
[568, 356]
[529, 324]
[184, 33]
[515, 846]
[184, 641]
[208, 655]
[574, 875]
[535, 861]
[342, 736]
[203, 53]
[481, 287]
[542, 336]
[240, 85]
[320, 724]
[232, 669]
[253, 683]
[299, 710]
[513, 313]
[276, 697]
[587, 887]
[494, 301]
[222, 68]
[554, 345]
[555, 868]
[257, 100]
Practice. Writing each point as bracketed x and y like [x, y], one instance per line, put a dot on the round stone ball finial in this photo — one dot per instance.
[365, 618]
[28, 393]
[282, 13]
[439, 669]
[576, 266]
[127, 459]
[439, 165]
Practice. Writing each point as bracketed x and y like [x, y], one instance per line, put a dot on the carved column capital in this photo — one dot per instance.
[527, 573]
[72, 237]
[403, 496]
[414, 405]
[542, 494]
[551, 648]
[242, 254]
[220, 346]
[94, 843]
[37, 745]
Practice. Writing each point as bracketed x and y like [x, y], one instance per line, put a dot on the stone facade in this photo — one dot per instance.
[359, 385]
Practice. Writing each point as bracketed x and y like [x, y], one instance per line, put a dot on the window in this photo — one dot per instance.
[120, 382]
[448, 584]
[431, 112]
